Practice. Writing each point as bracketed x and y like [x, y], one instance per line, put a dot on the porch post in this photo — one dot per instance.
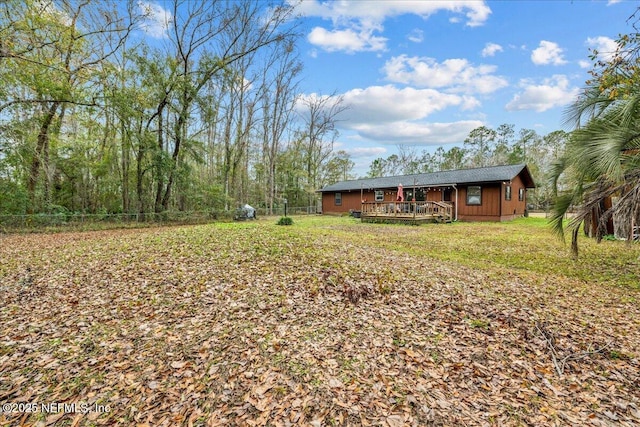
[413, 199]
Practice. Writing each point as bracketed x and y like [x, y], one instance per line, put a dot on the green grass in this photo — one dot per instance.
[526, 246]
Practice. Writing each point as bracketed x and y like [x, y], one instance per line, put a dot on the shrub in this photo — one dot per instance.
[285, 220]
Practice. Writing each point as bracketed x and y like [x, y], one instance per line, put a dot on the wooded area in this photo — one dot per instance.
[105, 109]
[98, 117]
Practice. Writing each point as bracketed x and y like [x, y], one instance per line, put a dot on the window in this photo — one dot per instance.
[338, 200]
[379, 196]
[521, 194]
[474, 195]
[507, 192]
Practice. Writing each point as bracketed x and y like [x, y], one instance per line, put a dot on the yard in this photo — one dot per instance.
[325, 322]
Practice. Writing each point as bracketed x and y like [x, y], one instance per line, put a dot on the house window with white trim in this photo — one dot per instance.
[474, 195]
[521, 194]
[338, 199]
[507, 192]
[379, 196]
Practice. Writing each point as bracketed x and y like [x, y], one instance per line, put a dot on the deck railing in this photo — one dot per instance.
[443, 210]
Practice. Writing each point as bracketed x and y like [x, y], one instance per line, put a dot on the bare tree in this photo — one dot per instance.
[208, 38]
[318, 135]
[278, 100]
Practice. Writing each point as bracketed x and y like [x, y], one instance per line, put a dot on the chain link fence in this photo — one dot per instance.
[82, 220]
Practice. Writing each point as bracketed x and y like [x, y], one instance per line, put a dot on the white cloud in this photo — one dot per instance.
[390, 115]
[348, 40]
[455, 74]
[413, 133]
[552, 92]
[548, 53]
[584, 64]
[156, 19]
[605, 46]
[469, 103]
[357, 21]
[357, 152]
[476, 12]
[490, 49]
[416, 36]
[384, 104]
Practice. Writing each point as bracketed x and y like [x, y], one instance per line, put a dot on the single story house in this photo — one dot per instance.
[494, 193]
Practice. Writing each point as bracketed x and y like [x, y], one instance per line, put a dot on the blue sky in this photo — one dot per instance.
[425, 73]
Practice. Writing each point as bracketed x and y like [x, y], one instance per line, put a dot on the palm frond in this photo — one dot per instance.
[561, 207]
[629, 111]
[556, 171]
[589, 105]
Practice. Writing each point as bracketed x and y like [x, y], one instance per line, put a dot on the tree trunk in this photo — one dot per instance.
[180, 130]
[140, 174]
[42, 153]
[139, 177]
[159, 165]
[125, 167]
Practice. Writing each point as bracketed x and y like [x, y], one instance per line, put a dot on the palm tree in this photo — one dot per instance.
[601, 162]
[602, 158]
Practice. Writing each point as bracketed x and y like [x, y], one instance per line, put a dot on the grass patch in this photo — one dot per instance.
[523, 246]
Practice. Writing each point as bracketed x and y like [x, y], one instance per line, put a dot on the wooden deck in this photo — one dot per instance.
[407, 212]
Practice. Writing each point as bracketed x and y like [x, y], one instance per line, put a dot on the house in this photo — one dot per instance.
[495, 193]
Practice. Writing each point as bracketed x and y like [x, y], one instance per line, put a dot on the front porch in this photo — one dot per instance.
[407, 212]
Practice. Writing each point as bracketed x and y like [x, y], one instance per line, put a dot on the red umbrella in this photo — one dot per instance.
[400, 193]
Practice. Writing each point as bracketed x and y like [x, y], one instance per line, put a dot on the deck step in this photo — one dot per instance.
[398, 219]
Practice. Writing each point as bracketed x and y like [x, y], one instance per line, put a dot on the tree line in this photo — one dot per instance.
[97, 116]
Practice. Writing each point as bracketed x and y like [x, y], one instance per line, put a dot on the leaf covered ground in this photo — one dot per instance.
[325, 322]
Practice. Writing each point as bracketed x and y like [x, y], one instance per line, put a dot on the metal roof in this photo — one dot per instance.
[435, 179]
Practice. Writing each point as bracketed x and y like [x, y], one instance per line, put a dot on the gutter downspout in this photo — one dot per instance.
[502, 188]
[456, 188]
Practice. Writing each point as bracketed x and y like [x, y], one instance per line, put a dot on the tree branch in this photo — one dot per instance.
[46, 101]
[560, 364]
